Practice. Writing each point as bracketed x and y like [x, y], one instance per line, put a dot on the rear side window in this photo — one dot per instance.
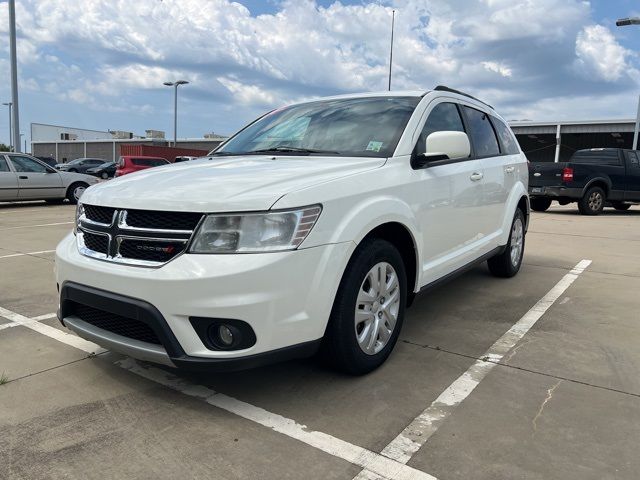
[148, 162]
[3, 165]
[597, 157]
[508, 143]
[482, 134]
[443, 117]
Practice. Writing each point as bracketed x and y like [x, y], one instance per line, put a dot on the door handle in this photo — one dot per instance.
[23, 177]
[475, 176]
[510, 169]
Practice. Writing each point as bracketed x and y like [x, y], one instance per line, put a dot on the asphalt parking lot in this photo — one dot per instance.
[531, 378]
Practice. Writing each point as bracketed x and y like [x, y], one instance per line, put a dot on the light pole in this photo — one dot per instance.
[14, 75]
[175, 86]
[623, 22]
[9, 104]
[393, 22]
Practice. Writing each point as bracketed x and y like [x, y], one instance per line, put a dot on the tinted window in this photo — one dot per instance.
[443, 117]
[148, 162]
[26, 164]
[369, 127]
[598, 157]
[483, 137]
[508, 143]
[3, 165]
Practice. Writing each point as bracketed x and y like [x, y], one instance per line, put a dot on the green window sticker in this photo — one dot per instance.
[374, 146]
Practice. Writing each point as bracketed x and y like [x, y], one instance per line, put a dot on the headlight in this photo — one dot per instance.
[79, 213]
[255, 232]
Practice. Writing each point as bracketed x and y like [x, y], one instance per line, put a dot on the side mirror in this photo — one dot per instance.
[445, 145]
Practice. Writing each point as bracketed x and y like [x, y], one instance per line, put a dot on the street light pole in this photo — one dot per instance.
[175, 86]
[14, 75]
[393, 22]
[623, 22]
[9, 104]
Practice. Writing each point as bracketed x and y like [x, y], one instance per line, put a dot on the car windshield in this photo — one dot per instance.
[364, 127]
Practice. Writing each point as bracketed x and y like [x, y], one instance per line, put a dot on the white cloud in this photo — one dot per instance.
[599, 53]
[498, 68]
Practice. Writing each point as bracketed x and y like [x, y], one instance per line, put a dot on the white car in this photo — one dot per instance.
[311, 228]
[23, 177]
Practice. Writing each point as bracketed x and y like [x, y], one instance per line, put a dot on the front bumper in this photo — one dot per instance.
[285, 297]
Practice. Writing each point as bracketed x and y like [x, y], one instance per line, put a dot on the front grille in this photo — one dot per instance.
[99, 214]
[163, 220]
[150, 251]
[126, 327]
[97, 243]
[138, 237]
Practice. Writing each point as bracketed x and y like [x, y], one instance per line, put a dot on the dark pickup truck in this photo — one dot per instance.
[592, 178]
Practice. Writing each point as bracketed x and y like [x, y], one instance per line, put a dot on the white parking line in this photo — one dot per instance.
[418, 432]
[27, 253]
[383, 467]
[51, 332]
[33, 226]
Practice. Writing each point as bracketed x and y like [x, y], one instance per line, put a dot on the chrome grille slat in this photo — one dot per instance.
[134, 245]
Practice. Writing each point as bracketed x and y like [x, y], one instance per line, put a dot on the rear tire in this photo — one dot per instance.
[507, 263]
[592, 202]
[75, 191]
[540, 204]
[367, 315]
[621, 206]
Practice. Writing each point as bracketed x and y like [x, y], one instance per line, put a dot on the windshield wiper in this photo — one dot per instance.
[285, 149]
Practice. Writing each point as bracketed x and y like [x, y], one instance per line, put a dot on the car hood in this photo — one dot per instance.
[223, 184]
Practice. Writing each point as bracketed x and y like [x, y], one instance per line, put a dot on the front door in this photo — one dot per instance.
[449, 208]
[36, 180]
[8, 181]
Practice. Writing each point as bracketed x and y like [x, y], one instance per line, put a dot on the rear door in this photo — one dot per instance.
[8, 181]
[36, 180]
[494, 165]
[632, 192]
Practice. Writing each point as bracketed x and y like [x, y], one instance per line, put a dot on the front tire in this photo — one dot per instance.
[104, 175]
[368, 310]
[75, 191]
[540, 204]
[508, 263]
[592, 202]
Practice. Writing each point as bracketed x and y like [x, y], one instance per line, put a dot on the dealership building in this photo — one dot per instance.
[556, 141]
[68, 143]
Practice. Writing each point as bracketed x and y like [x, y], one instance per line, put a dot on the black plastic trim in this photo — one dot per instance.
[463, 269]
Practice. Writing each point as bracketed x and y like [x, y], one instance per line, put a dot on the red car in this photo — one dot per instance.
[133, 163]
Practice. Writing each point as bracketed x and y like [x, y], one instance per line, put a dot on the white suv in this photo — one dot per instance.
[311, 228]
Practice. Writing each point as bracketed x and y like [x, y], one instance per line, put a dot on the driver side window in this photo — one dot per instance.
[443, 117]
[27, 165]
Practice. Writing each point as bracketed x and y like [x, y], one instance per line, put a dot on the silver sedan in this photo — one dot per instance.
[23, 177]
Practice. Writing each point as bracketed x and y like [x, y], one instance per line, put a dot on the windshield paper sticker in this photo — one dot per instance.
[374, 146]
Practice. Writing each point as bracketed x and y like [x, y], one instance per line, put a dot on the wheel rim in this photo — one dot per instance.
[517, 241]
[377, 308]
[595, 200]
[104, 175]
[78, 191]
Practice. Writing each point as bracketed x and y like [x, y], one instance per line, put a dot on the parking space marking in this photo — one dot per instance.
[40, 225]
[381, 466]
[51, 332]
[418, 432]
[27, 253]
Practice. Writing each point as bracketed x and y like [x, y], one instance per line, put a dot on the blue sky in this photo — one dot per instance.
[101, 64]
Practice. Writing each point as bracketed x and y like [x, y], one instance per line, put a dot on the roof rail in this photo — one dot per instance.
[443, 88]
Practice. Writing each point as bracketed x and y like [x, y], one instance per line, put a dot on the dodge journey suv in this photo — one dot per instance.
[309, 230]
